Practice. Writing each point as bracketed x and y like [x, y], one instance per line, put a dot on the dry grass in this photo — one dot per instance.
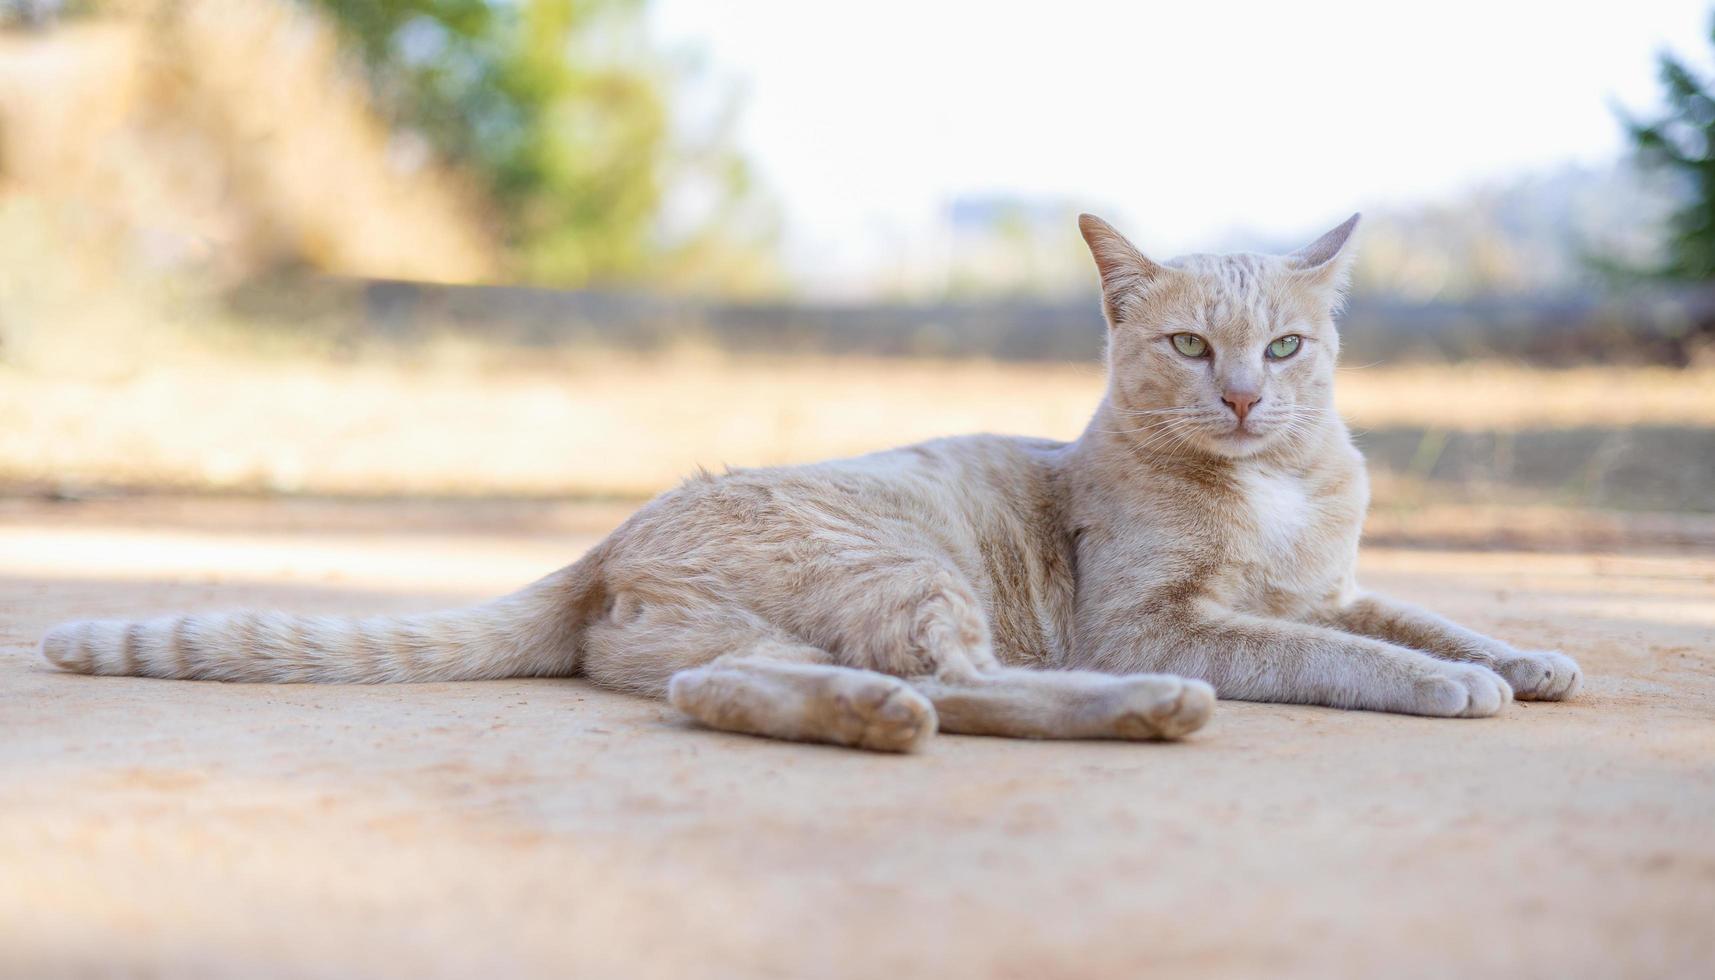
[606, 424]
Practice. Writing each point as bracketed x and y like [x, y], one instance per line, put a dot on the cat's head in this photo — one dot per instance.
[1226, 354]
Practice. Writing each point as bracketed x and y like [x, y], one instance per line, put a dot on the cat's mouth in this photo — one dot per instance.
[1244, 429]
[1242, 438]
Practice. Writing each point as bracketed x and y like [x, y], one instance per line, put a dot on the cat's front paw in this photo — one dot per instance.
[1540, 675]
[1461, 691]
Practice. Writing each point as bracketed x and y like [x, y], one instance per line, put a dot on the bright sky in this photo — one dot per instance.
[1180, 121]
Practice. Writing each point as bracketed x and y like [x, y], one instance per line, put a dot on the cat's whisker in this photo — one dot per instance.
[1169, 433]
[1175, 436]
[1149, 435]
[1141, 412]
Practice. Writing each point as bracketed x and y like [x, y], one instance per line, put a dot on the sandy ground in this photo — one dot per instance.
[547, 828]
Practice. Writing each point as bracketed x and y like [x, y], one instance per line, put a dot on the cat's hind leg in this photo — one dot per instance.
[1020, 703]
[925, 622]
[730, 670]
[785, 690]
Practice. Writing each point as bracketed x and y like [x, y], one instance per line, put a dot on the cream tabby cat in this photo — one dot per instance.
[1203, 531]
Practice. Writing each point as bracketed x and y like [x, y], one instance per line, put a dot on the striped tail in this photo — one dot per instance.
[532, 633]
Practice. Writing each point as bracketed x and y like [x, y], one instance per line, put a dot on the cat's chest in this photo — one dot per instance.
[1288, 543]
[1278, 513]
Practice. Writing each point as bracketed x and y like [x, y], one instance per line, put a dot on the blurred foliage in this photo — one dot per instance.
[1681, 142]
[564, 110]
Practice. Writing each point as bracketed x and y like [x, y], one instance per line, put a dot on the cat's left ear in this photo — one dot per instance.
[1327, 261]
[1125, 271]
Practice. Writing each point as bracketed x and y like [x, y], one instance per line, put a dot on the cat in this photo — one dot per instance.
[1199, 537]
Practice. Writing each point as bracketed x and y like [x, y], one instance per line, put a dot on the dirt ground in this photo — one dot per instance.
[525, 828]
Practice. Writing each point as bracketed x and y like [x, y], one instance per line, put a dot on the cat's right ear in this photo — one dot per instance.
[1124, 270]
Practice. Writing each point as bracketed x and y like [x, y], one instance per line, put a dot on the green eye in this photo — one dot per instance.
[1283, 347]
[1190, 344]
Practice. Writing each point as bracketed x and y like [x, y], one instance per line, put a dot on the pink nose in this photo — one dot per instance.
[1241, 401]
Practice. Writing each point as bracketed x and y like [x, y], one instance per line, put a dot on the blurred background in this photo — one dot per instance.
[569, 250]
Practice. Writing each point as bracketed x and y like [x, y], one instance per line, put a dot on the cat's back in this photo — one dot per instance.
[971, 473]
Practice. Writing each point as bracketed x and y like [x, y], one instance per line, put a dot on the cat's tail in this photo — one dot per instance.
[531, 633]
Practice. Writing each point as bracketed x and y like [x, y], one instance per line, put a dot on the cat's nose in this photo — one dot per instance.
[1241, 402]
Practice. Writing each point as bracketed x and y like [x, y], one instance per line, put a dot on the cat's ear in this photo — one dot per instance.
[1124, 270]
[1327, 261]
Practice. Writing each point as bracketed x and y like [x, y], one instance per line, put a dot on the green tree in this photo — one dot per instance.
[561, 107]
[1682, 142]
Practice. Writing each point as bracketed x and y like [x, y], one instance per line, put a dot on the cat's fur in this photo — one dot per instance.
[1106, 587]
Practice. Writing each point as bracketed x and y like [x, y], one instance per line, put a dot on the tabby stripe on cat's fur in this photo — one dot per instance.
[530, 633]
